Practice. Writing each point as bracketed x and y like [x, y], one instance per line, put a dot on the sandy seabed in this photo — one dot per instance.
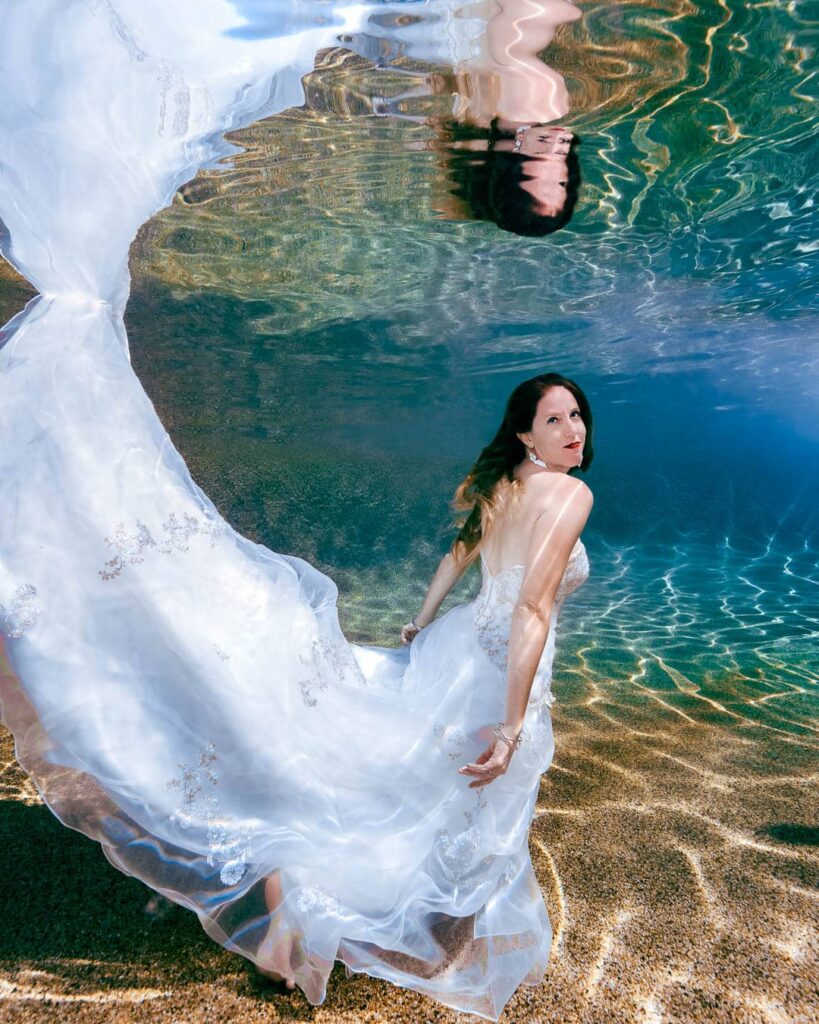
[674, 840]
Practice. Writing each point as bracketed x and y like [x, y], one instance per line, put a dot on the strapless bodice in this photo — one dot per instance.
[506, 584]
[496, 601]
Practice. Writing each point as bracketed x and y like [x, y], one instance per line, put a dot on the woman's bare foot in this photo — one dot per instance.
[275, 946]
[289, 984]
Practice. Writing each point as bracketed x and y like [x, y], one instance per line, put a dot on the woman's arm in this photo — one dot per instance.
[447, 574]
[555, 533]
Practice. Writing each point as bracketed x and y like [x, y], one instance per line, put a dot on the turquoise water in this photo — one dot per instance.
[329, 354]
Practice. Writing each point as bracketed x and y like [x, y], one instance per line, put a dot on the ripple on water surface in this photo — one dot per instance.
[328, 353]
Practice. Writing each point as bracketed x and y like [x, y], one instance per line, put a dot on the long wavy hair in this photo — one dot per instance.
[478, 498]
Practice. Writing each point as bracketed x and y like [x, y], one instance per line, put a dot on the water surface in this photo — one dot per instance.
[329, 355]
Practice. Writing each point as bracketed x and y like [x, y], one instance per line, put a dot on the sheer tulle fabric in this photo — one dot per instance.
[178, 693]
[288, 749]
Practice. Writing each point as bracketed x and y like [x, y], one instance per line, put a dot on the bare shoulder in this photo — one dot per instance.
[583, 491]
[560, 508]
[546, 489]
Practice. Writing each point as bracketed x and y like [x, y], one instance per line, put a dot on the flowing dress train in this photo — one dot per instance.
[176, 692]
[282, 747]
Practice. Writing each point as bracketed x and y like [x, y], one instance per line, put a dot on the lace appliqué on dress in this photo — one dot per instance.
[130, 548]
[493, 612]
[495, 604]
[313, 899]
[452, 739]
[327, 660]
[229, 845]
[22, 612]
[458, 850]
[576, 573]
[509, 872]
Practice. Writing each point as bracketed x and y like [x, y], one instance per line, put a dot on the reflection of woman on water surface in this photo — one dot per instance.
[509, 158]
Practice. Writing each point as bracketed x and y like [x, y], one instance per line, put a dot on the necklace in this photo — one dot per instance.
[519, 133]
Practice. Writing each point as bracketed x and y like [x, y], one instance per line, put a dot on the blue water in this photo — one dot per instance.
[330, 355]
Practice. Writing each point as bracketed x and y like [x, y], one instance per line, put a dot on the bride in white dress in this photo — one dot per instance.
[313, 800]
[185, 696]
[478, 681]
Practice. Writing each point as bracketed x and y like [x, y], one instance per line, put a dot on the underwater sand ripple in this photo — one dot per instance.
[655, 843]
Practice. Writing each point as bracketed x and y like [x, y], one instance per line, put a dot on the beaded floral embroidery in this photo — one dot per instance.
[509, 872]
[496, 601]
[22, 612]
[313, 899]
[493, 612]
[229, 845]
[481, 803]
[458, 851]
[130, 548]
[452, 739]
[179, 532]
[327, 660]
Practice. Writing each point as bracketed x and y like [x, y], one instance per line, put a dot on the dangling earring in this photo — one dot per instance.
[535, 459]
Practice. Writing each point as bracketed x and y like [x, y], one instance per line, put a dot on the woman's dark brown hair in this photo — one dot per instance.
[477, 495]
[490, 183]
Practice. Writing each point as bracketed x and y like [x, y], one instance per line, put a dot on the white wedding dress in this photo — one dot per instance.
[178, 693]
[206, 759]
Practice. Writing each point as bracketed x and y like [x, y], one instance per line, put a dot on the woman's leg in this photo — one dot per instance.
[276, 944]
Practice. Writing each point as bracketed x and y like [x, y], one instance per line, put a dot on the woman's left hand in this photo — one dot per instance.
[489, 765]
[409, 633]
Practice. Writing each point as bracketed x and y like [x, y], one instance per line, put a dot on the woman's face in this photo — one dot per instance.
[556, 425]
[546, 171]
[545, 140]
[545, 180]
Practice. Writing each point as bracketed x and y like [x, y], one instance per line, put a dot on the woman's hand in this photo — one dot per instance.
[409, 633]
[489, 765]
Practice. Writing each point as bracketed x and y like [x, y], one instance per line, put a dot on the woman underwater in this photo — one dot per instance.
[480, 678]
[186, 697]
[313, 800]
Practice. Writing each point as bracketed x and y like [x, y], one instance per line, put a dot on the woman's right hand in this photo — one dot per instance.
[489, 765]
[409, 633]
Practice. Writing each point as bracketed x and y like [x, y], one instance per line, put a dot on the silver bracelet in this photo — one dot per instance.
[414, 623]
[513, 744]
